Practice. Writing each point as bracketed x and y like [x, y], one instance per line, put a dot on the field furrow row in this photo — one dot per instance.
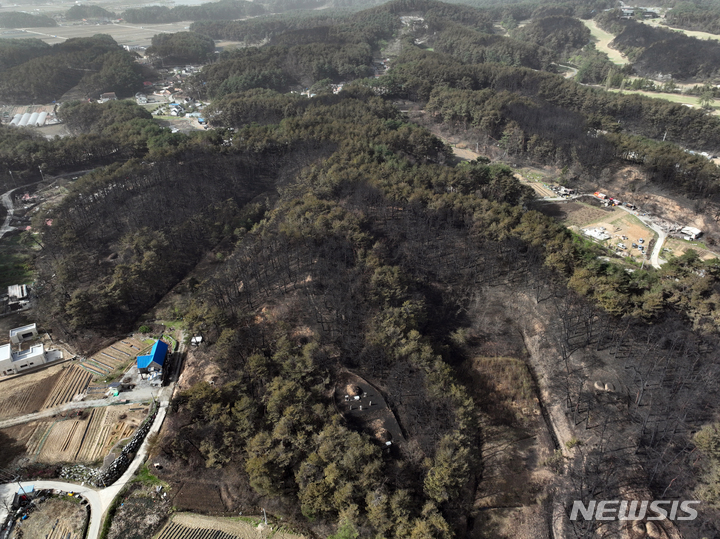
[178, 531]
[73, 381]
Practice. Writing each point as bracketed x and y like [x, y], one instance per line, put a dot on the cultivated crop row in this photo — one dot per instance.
[25, 394]
[112, 357]
[72, 381]
[92, 442]
[38, 437]
[178, 531]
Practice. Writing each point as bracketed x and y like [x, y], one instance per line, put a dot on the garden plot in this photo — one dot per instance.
[83, 439]
[26, 394]
[55, 518]
[73, 381]
[676, 247]
[115, 356]
[535, 178]
[574, 213]
[192, 526]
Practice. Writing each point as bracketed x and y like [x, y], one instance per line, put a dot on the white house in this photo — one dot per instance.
[15, 362]
[691, 232]
[24, 333]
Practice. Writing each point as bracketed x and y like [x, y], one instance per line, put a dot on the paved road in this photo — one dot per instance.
[108, 494]
[572, 71]
[8, 203]
[99, 499]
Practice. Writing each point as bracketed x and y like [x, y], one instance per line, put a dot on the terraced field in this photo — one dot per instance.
[113, 357]
[177, 531]
[88, 439]
[73, 380]
[27, 394]
[193, 526]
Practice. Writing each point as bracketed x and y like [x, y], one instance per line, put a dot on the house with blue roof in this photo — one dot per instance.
[155, 360]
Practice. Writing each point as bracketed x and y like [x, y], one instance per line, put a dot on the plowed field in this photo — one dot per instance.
[115, 356]
[55, 518]
[73, 381]
[27, 394]
[191, 526]
[87, 439]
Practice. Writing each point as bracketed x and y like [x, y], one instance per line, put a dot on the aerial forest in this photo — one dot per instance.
[310, 240]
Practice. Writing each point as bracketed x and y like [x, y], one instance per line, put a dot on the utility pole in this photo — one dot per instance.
[265, 515]
[41, 174]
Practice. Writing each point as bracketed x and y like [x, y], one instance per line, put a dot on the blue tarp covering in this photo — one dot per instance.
[157, 355]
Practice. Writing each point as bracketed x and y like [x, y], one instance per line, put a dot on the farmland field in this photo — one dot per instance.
[602, 40]
[192, 526]
[73, 381]
[27, 394]
[574, 213]
[617, 223]
[199, 497]
[676, 247]
[537, 179]
[123, 33]
[114, 358]
[83, 439]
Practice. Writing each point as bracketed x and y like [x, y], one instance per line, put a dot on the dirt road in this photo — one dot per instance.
[66, 408]
[8, 203]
